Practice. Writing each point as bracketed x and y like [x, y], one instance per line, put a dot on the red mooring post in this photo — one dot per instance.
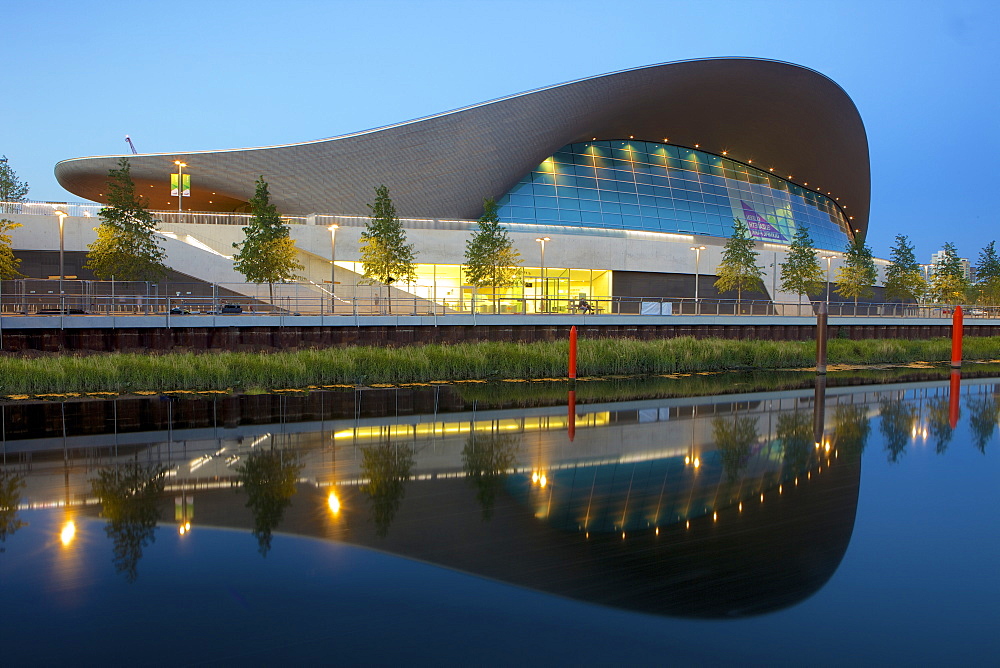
[572, 352]
[571, 417]
[954, 390]
[956, 338]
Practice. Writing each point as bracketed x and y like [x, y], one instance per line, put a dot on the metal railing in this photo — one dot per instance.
[78, 297]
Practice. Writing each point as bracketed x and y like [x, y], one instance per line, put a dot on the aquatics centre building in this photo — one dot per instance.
[633, 179]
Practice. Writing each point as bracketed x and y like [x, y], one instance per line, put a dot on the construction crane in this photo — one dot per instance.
[131, 145]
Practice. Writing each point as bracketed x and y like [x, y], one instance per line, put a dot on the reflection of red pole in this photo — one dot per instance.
[956, 338]
[572, 352]
[571, 418]
[956, 386]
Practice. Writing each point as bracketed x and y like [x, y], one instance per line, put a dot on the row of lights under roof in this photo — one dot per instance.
[750, 162]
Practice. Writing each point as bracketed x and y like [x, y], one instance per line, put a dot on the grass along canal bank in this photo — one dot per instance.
[122, 373]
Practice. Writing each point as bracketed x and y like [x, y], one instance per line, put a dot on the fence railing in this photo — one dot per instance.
[76, 297]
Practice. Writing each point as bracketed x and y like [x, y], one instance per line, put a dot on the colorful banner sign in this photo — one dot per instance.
[187, 185]
[759, 227]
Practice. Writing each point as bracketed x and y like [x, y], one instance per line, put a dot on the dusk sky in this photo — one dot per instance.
[182, 76]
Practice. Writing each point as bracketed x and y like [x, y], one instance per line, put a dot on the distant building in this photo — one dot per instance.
[967, 271]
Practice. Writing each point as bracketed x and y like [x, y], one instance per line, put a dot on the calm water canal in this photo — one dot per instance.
[508, 523]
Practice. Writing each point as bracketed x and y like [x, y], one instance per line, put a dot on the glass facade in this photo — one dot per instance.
[638, 185]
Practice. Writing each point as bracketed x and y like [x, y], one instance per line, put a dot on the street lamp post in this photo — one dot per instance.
[180, 184]
[829, 259]
[697, 258]
[545, 285]
[333, 266]
[62, 267]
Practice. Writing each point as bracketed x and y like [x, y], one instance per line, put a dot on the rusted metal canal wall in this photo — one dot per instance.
[249, 332]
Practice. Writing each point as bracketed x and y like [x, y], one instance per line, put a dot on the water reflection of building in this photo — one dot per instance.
[648, 508]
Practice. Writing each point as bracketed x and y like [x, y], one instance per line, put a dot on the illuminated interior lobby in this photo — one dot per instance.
[624, 185]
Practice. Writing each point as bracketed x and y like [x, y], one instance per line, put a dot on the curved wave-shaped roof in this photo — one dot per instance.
[770, 113]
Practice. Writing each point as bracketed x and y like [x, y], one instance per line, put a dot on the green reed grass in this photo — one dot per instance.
[365, 365]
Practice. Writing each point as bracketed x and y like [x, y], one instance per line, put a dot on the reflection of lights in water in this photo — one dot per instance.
[762, 498]
[68, 533]
[184, 528]
[623, 535]
[715, 517]
[697, 462]
[657, 531]
[539, 479]
[333, 502]
[741, 506]
[780, 489]
[687, 524]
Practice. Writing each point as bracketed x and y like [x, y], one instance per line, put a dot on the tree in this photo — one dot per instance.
[12, 189]
[268, 478]
[128, 496]
[267, 253]
[856, 278]
[126, 247]
[387, 466]
[988, 275]
[734, 441]
[738, 270]
[385, 255]
[487, 461]
[8, 263]
[903, 281]
[490, 257]
[896, 419]
[801, 273]
[949, 284]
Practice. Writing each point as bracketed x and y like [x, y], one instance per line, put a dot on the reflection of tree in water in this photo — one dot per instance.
[10, 497]
[851, 428]
[982, 419]
[795, 431]
[939, 424]
[128, 496]
[387, 467]
[734, 440]
[268, 479]
[895, 424]
[486, 460]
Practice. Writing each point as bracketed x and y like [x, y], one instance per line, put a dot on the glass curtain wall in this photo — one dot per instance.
[561, 291]
[637, 185]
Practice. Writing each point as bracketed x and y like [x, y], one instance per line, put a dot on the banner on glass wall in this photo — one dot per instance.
[758, 225]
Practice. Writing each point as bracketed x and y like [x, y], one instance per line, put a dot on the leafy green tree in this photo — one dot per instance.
[795, 431]
[490, 257]
[126, 247]
[12, 189]
[487, 460]
[9, 264]
[903, 280]
[939, 423]
[851, 428]
[856, 278]
[128, 496]
[895, 421]
[800, 272]
[268, 479]
[739, 270]
[988, 275]
[385, 255]
[949, 284]
[983, 412]
[267, 253]
[733, 441]
[10, 497]
[387, 466]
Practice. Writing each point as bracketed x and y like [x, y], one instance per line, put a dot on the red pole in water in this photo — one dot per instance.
[954, 391]
[572, 352]
[956, 338]
[571, 418]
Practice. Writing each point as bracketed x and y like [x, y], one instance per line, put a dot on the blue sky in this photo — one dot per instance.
[184, 75]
